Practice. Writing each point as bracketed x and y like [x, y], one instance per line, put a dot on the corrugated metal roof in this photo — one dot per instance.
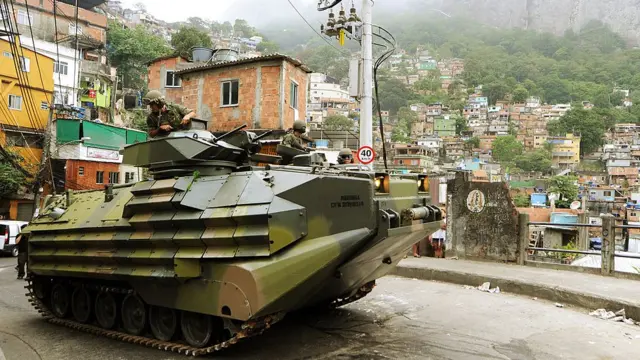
[270, 57]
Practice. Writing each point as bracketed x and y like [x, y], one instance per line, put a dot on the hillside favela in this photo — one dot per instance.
[319, 179]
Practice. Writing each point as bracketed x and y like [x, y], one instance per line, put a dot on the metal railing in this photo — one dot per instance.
[529, 245]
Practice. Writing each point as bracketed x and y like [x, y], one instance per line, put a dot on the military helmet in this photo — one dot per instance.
[345, 156]
[153, 96]
[299, 126]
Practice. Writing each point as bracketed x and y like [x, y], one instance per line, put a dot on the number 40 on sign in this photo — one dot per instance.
[366, 155]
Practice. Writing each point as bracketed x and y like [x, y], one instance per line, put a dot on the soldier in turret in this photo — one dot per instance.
[296, 138]
[345, 156]
[166, 117]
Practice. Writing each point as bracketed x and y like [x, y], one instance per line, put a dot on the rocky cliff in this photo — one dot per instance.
[554, 16]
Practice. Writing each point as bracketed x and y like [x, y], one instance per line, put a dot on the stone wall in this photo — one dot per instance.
[482, 221]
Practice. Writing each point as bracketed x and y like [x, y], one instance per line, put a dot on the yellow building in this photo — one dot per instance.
[565, 153]
[24, 105]
[24, 112]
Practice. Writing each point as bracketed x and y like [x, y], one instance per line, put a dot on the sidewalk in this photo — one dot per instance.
[567, 287]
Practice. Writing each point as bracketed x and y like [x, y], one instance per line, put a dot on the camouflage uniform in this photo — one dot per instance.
[293, 141]
[171, 115]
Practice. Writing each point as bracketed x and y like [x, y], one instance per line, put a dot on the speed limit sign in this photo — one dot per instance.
[366, 155]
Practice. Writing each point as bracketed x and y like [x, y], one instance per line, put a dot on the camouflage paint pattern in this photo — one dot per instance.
[235, 244]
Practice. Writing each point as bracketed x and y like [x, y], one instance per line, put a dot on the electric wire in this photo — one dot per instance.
[314, 29]
[20, 64]
[55, 24]
[35, 50]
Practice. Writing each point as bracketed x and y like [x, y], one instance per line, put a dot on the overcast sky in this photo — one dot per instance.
[180, 10]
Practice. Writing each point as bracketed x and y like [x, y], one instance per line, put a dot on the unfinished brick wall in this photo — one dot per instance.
[75, 181]
[263, 101]
[156, 77]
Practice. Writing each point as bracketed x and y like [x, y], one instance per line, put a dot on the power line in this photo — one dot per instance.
[35, 50]
[314, 29]
[55, 24]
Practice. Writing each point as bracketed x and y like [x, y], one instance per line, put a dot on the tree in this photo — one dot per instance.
[338, 123]
[589, 124]
[11, 180]
[129, 49]
[461, 124]
[522, 200]
[538, 160]
[520, 94]
[506, 148]
[268, 47]
[473, 143]
[241, 28]
[188, 37]
[566, 188]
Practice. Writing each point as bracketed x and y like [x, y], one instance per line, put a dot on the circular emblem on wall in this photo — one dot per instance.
[475, 201]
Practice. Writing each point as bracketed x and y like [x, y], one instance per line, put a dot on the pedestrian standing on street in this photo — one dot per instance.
[22, 241]
[437, 240]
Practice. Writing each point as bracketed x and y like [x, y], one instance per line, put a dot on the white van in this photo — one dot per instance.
[9, 231]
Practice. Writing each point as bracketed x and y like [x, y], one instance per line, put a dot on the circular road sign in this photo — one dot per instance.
[366, 155]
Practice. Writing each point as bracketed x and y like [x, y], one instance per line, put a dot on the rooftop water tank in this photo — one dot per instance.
[224, 55]
[201, 54]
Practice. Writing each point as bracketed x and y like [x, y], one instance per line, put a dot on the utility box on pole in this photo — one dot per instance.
[355, 78]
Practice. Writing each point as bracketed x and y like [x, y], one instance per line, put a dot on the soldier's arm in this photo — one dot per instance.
[153, 131]
[185, 112]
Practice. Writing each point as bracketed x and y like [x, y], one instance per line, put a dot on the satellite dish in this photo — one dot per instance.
[575, 205]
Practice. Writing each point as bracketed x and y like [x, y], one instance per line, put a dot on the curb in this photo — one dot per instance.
[552, 293]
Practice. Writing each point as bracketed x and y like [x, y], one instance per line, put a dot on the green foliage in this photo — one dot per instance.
[521, 200]
[566, 188]
[402, 130]
[506, 149]
[325, 59]
[461, 124]
[137, 119]
[520, 94]
[337, 122]
[538, 160]
[11, 180]
[188, 37]
[588, 124]
[241, 28]
[473, 143]
[129, 49]
[268, 47]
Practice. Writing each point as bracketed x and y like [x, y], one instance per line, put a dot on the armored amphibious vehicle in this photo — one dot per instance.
[215, 248]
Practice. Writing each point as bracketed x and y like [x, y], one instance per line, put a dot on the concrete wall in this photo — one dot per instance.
[487, 229]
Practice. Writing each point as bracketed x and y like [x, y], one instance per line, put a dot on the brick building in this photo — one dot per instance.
[267, 92]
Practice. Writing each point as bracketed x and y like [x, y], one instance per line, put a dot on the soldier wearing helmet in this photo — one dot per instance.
[295, 139]
[345, 156]
[166, 117]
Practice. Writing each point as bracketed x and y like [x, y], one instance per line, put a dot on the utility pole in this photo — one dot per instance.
[366, 105]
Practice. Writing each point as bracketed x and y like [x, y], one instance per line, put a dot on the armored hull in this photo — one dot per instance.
[214, 249]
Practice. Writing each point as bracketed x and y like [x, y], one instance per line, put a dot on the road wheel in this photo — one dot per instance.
[163, 322]
[134, 315]
[106, 310]
[81, 305]
[60, 301]
[198, 329]
[14, 251]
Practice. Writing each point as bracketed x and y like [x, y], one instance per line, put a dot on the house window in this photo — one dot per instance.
[81, 171]
[172, 80]
[26, 140]
[44, 105]
[72, 29]
[25, 64]
[7, 54]
[23, 19]
[230, 93]
[61, 68]
[129, 177]
[99, 177]
[607, 193]
[293, 95]
[114, 177]
[15, 102]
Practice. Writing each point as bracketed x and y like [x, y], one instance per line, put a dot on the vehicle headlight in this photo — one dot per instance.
[378, 183]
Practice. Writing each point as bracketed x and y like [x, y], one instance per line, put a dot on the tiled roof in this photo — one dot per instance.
[270, 57]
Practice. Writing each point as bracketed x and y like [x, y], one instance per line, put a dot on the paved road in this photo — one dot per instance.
[401, 319]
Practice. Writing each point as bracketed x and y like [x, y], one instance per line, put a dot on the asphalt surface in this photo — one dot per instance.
[400, 319]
